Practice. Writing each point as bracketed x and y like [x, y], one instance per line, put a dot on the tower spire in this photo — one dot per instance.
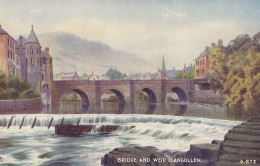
[163, 64]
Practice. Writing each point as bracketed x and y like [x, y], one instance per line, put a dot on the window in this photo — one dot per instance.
[203, 61]
[42, 77]
[197, 73]
[32, 62]
[31, 49]
[17, 61]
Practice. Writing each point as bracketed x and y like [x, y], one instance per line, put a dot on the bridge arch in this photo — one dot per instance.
[83, 95]
[120, 95]
[181, 93]
[152, 99]
[150, 92]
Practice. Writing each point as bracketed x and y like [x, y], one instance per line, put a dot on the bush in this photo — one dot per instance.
[28, 94]
[15, 88]
[142, 96]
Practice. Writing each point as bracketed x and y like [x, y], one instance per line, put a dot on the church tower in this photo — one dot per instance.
[163, 71]
[33, 54]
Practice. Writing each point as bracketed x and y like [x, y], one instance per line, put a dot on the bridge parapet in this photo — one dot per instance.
[126, 90]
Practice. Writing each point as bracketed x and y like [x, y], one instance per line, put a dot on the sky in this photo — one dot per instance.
[178, 29]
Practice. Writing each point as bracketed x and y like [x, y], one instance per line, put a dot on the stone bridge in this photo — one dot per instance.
[126, 90]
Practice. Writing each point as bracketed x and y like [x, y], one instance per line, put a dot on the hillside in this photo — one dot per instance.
[70, 53]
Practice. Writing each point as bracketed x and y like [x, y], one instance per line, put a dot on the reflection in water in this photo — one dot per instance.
[170, 108]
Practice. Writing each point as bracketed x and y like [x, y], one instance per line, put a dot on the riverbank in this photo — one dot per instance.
[21, 106]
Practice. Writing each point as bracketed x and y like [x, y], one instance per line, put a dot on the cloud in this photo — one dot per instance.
[169, 13]
[180, 43]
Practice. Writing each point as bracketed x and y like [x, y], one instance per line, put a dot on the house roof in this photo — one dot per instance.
[153, 76]
[172, 73]
[33, 79]
[203, 54]
[23, 42]
[44, 54]
[32, 38]
[2, 31]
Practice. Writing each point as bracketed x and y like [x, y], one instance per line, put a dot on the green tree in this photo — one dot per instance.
[114, 74]
[15, 88]
[84, 75]
[188, 75]
[237, 74]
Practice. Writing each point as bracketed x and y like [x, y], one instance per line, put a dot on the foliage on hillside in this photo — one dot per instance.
[237, 74]
[189, 75]
[114, 74]
[15, 88]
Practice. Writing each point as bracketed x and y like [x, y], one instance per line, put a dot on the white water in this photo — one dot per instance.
[40, 146]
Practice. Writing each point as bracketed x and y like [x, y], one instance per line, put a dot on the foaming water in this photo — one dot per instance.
[40, 146]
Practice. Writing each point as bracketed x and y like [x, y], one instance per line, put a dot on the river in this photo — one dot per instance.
[167, 127]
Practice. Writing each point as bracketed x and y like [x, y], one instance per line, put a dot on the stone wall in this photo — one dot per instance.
[21, 106]
[206, 96]
[241, 145]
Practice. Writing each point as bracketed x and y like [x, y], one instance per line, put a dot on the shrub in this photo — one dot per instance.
[15, 88]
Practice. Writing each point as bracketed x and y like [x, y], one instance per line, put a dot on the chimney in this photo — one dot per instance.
[0, 26]
[213, 45]
[92, 73]
[207, 48]
[47, 49]
[220, 42]
[21, 41]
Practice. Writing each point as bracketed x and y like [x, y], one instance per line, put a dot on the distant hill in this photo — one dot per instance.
[70, 52]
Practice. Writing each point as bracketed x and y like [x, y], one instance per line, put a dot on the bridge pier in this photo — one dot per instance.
[127, 90]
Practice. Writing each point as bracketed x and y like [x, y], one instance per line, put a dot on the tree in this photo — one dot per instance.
[188, 75]
[15, 88]
[114, 74]
[237, 74]
[84, 76]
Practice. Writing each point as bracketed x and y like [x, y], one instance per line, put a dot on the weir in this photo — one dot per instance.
[127, 130]
[84, 129]
[22, 123]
